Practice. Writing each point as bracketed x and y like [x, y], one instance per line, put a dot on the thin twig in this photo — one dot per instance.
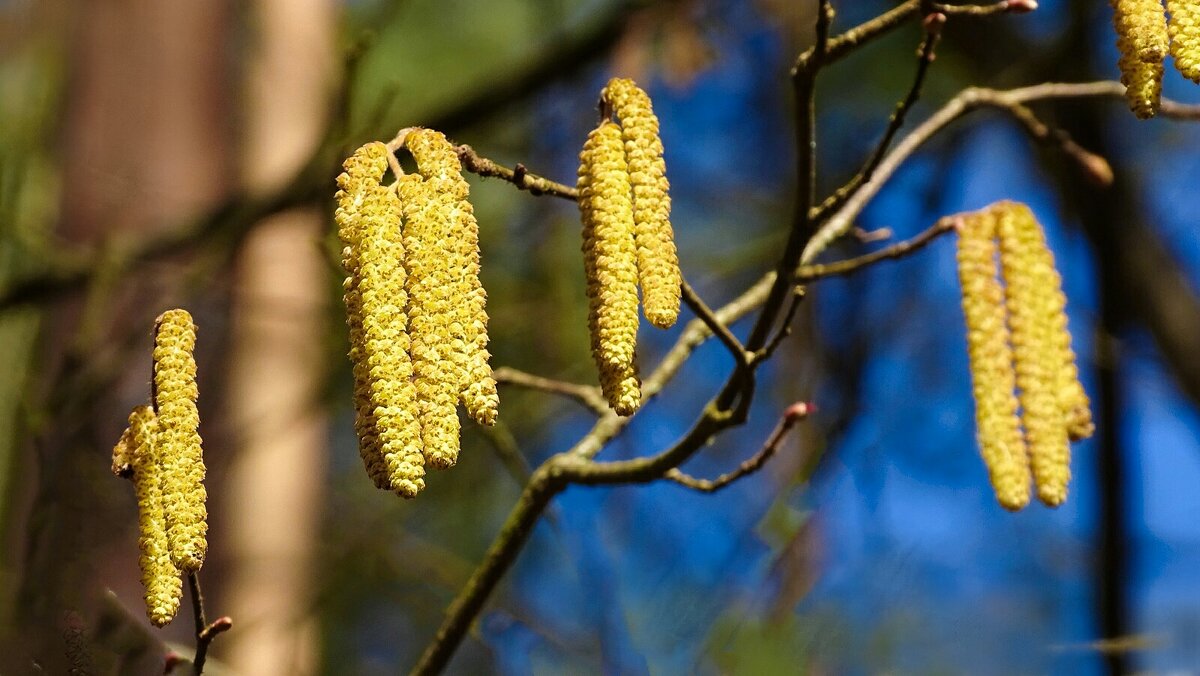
[205, 632]
[785, 326]
[720, 330]
[925, 57]
[794, 414]
[808, 273]
[1094, 167]
[587, 395]
[519, 176]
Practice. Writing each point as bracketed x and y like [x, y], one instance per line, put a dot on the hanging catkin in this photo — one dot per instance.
[991, 361]
[160, 576]
[1184, 29]
[1143, 40]
[610, 265]
[658, 263]
[1036, 352]
[179, 439]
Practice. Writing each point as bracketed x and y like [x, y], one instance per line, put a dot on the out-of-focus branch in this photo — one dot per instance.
[719, 329]
[587, 395]
[808, 273]
[965, 102]
[518, 176]
[793, 415]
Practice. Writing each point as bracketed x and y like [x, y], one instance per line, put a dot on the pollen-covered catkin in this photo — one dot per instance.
[438, 163]
[1143, 40]
[991, 362]
[362, 170]
[610, 264]
[658, 262]
[179, 439]
[1036, 353]
[1184, 29]
[160, 576]
[386, 341]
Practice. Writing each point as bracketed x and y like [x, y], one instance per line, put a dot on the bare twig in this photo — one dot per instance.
[518, 176]
[794, 414]
[587, 395]
[720, 330]
[808, 273]
[1094, 167]
[925, 57]
[205, 632]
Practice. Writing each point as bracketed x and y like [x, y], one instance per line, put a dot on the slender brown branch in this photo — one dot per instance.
[1094, 167]
[838, 47]
[793, 415]
[808, 273]
[587, 395]
[964, 102]
[205, 632]
[785, 326]
[1014, 6]
[518, 176]
[720, 330]
[925, 57]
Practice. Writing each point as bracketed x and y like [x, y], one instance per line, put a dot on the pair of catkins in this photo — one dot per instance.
[1145, 36]
[1020, 355]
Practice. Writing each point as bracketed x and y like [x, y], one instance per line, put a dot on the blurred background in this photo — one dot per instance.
[157, 155]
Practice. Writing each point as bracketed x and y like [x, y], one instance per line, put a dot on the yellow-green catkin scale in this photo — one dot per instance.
[122, 455]
[439, 165]
[1036, 352]
[362, 170]
[610, 265]
[386, 341]
[1184, 29]
[160, 576]
[1143, 41]
[179, 439]
[658, 262]
[991, 362]
[438, 345]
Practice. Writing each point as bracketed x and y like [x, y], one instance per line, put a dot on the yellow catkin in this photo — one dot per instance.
[1036, 352]
[179, 439]
[362, 170]
[991, 361]
[438, 341]
[1143, 40]
[160, 576]
[438, 164]
[610, 265]
[658, 262]
[1184, 28]
[386, 340]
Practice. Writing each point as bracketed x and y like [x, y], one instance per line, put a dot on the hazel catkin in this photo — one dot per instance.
[657, 260]
[610, 265]
[178, 440]
[1184, 29]
[991, 362]
[1143, 40]
[160, 576]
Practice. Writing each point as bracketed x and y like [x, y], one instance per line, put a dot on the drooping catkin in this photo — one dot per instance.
[179, 439]
[610, 265]
[160, 576]
[1036, 350]
[1143, 40]
[438, 163]
[658, 262]
[991, 361]
[386, 340]
[1184, 29]
[362, 170]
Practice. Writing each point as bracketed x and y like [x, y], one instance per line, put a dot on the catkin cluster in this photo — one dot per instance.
[1029, 402]
[160, 451]
[1144, 37]
[627, 238]
[415, 309]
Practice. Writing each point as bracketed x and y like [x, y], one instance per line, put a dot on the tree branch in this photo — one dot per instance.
[587, 395]
[205, 632]
[519, 176]
[794, 414]
[808, 273]
[720, 330]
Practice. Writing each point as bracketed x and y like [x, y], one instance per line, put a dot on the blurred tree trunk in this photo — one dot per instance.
[278, 362]
[144, 144]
